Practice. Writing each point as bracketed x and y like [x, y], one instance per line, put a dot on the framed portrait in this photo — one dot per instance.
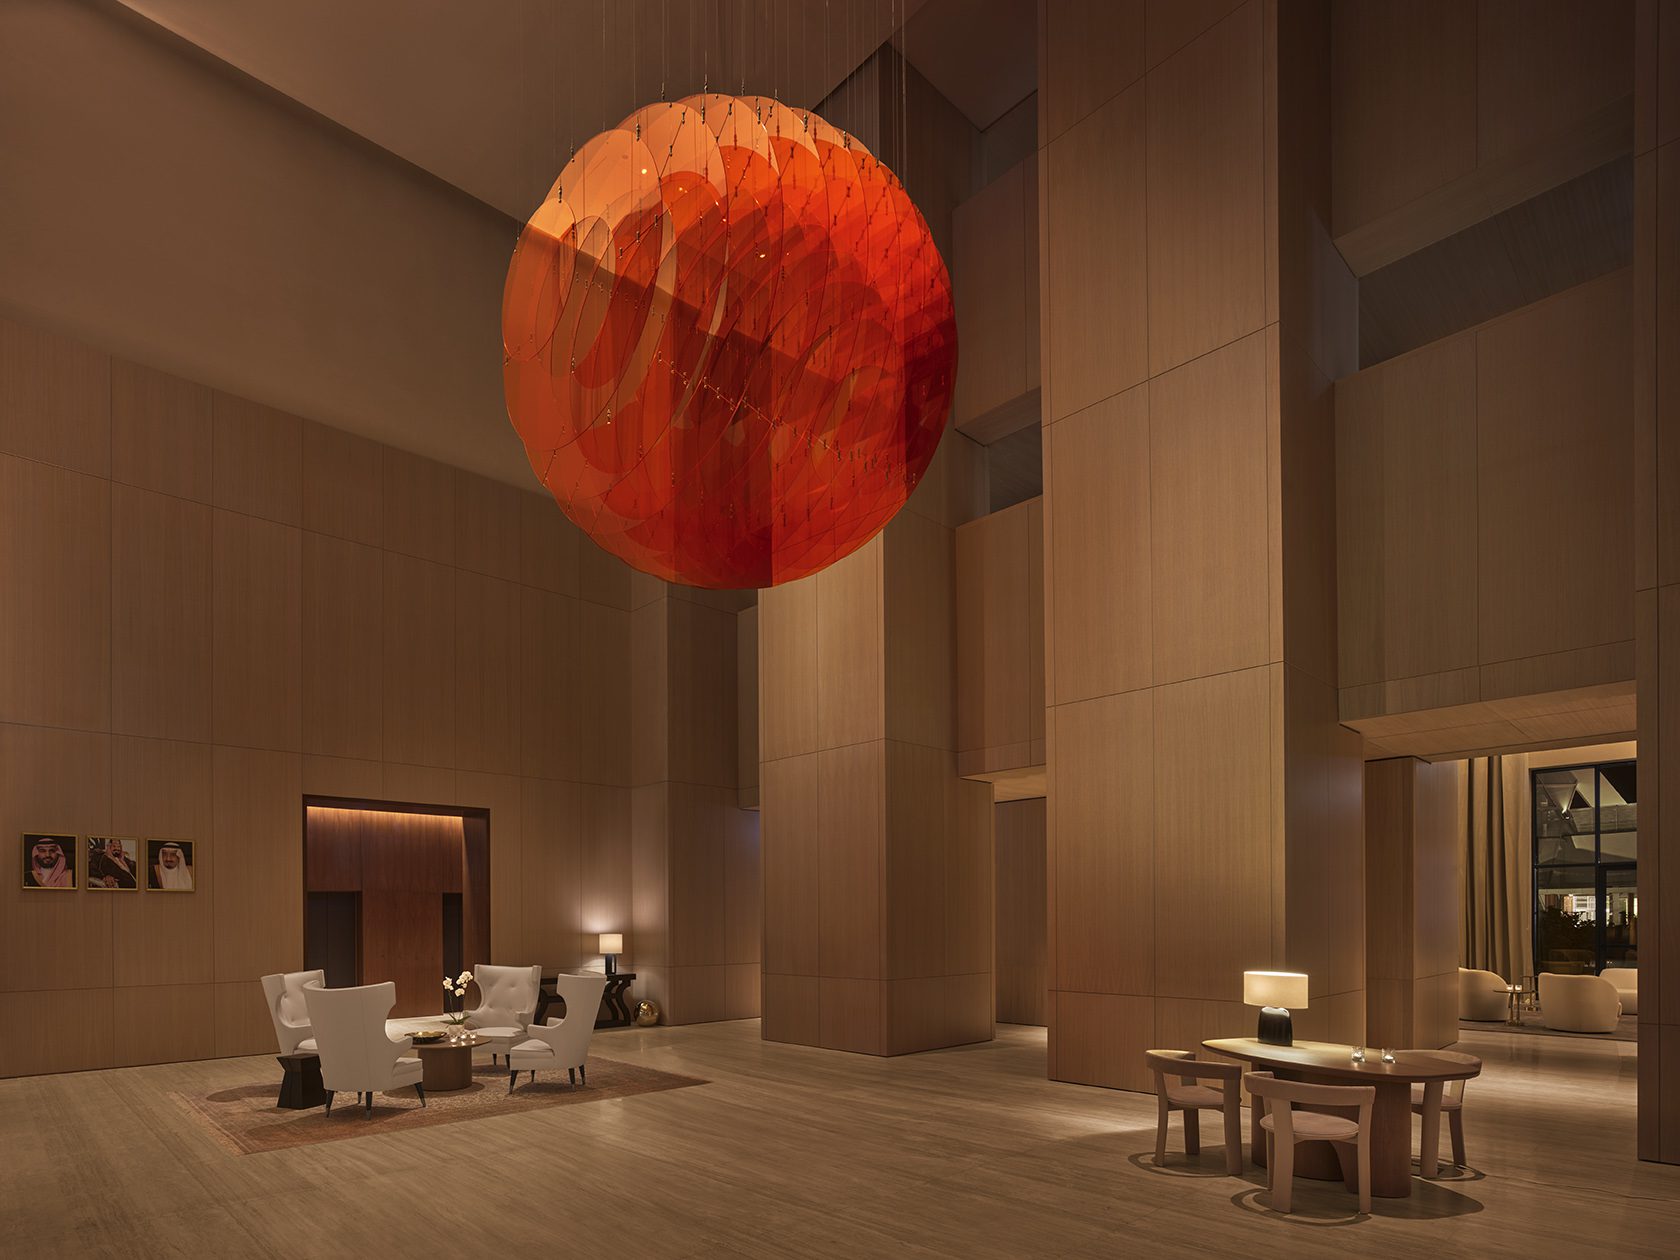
[49, 860]
[170, 866]
[111, 863]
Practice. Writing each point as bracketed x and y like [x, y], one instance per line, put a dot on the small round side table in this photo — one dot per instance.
[1515, 992]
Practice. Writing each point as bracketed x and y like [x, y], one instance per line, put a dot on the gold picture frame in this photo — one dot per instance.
[106, 871]
[162, 876]
[61, 876]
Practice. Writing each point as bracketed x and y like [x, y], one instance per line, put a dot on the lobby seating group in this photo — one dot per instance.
[361, 1049]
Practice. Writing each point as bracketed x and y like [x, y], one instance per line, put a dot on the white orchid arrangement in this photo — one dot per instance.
[457, 989]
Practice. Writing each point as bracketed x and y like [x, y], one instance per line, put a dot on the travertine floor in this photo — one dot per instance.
[790, 1151]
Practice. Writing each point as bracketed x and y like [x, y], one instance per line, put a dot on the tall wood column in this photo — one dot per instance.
[877, 857]
[1203, 810]
[1413, 869]
[1656, 273]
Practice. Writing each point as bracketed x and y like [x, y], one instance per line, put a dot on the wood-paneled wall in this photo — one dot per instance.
[746, 707]
[1023, 991]
[215, 608]
[1460, 583]
[994, 279]
[1413, 882]
[1203, 801]
[1448, 112]
[1656, 569]
[331, 319]
[694, 861]
[1000, 641]
[402, 864]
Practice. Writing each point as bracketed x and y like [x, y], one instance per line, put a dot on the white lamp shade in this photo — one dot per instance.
[612, 942]
[1286, 989]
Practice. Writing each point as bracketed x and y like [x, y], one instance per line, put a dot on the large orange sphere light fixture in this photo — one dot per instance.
[729, 342]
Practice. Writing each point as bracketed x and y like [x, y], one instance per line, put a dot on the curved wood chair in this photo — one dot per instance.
[1177, 1073]
[1285, 1126]
[1431, 1102]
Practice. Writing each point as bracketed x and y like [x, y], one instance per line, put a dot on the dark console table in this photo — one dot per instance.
[614, 1012]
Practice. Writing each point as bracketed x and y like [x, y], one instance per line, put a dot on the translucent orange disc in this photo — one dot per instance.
[729, 342]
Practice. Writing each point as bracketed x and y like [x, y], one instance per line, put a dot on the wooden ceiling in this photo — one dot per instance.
[1021, 784]
[492, 99]
[985, 68]
[1553, 720]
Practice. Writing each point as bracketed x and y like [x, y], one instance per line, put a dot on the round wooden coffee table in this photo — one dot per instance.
[447, 1065]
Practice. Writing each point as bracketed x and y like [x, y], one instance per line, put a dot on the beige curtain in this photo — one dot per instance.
[1495, 927]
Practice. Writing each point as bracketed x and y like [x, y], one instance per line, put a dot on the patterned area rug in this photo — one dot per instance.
[1534, 1024]
[246, 1121]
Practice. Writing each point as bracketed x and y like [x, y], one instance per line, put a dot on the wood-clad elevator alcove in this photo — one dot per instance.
[395, 892]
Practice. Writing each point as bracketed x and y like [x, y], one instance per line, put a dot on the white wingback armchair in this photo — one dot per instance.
[1482, 995]
[286, 1008]
[1625, 980]
[356, 1052]
[1579, 1003]
[561, 1043]
[507, 1004]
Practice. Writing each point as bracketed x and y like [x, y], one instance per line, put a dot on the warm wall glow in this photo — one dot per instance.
[729, 342]
[328, 812]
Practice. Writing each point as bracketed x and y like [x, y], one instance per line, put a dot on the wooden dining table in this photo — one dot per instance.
[1326, 1063]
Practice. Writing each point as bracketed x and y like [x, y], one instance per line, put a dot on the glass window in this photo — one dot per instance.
[1621, 916]
[1565, 919]
[1618, 812]
[1586, 841]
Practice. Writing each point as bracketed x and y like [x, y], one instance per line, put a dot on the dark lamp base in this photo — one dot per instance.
[1275, 1028]
[612, 965]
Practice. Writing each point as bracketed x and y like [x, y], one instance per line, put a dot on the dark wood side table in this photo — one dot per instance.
[300, 1088]
[614, 1012]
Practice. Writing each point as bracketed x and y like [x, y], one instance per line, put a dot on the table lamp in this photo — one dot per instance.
[612, 945]
[1275, 992]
